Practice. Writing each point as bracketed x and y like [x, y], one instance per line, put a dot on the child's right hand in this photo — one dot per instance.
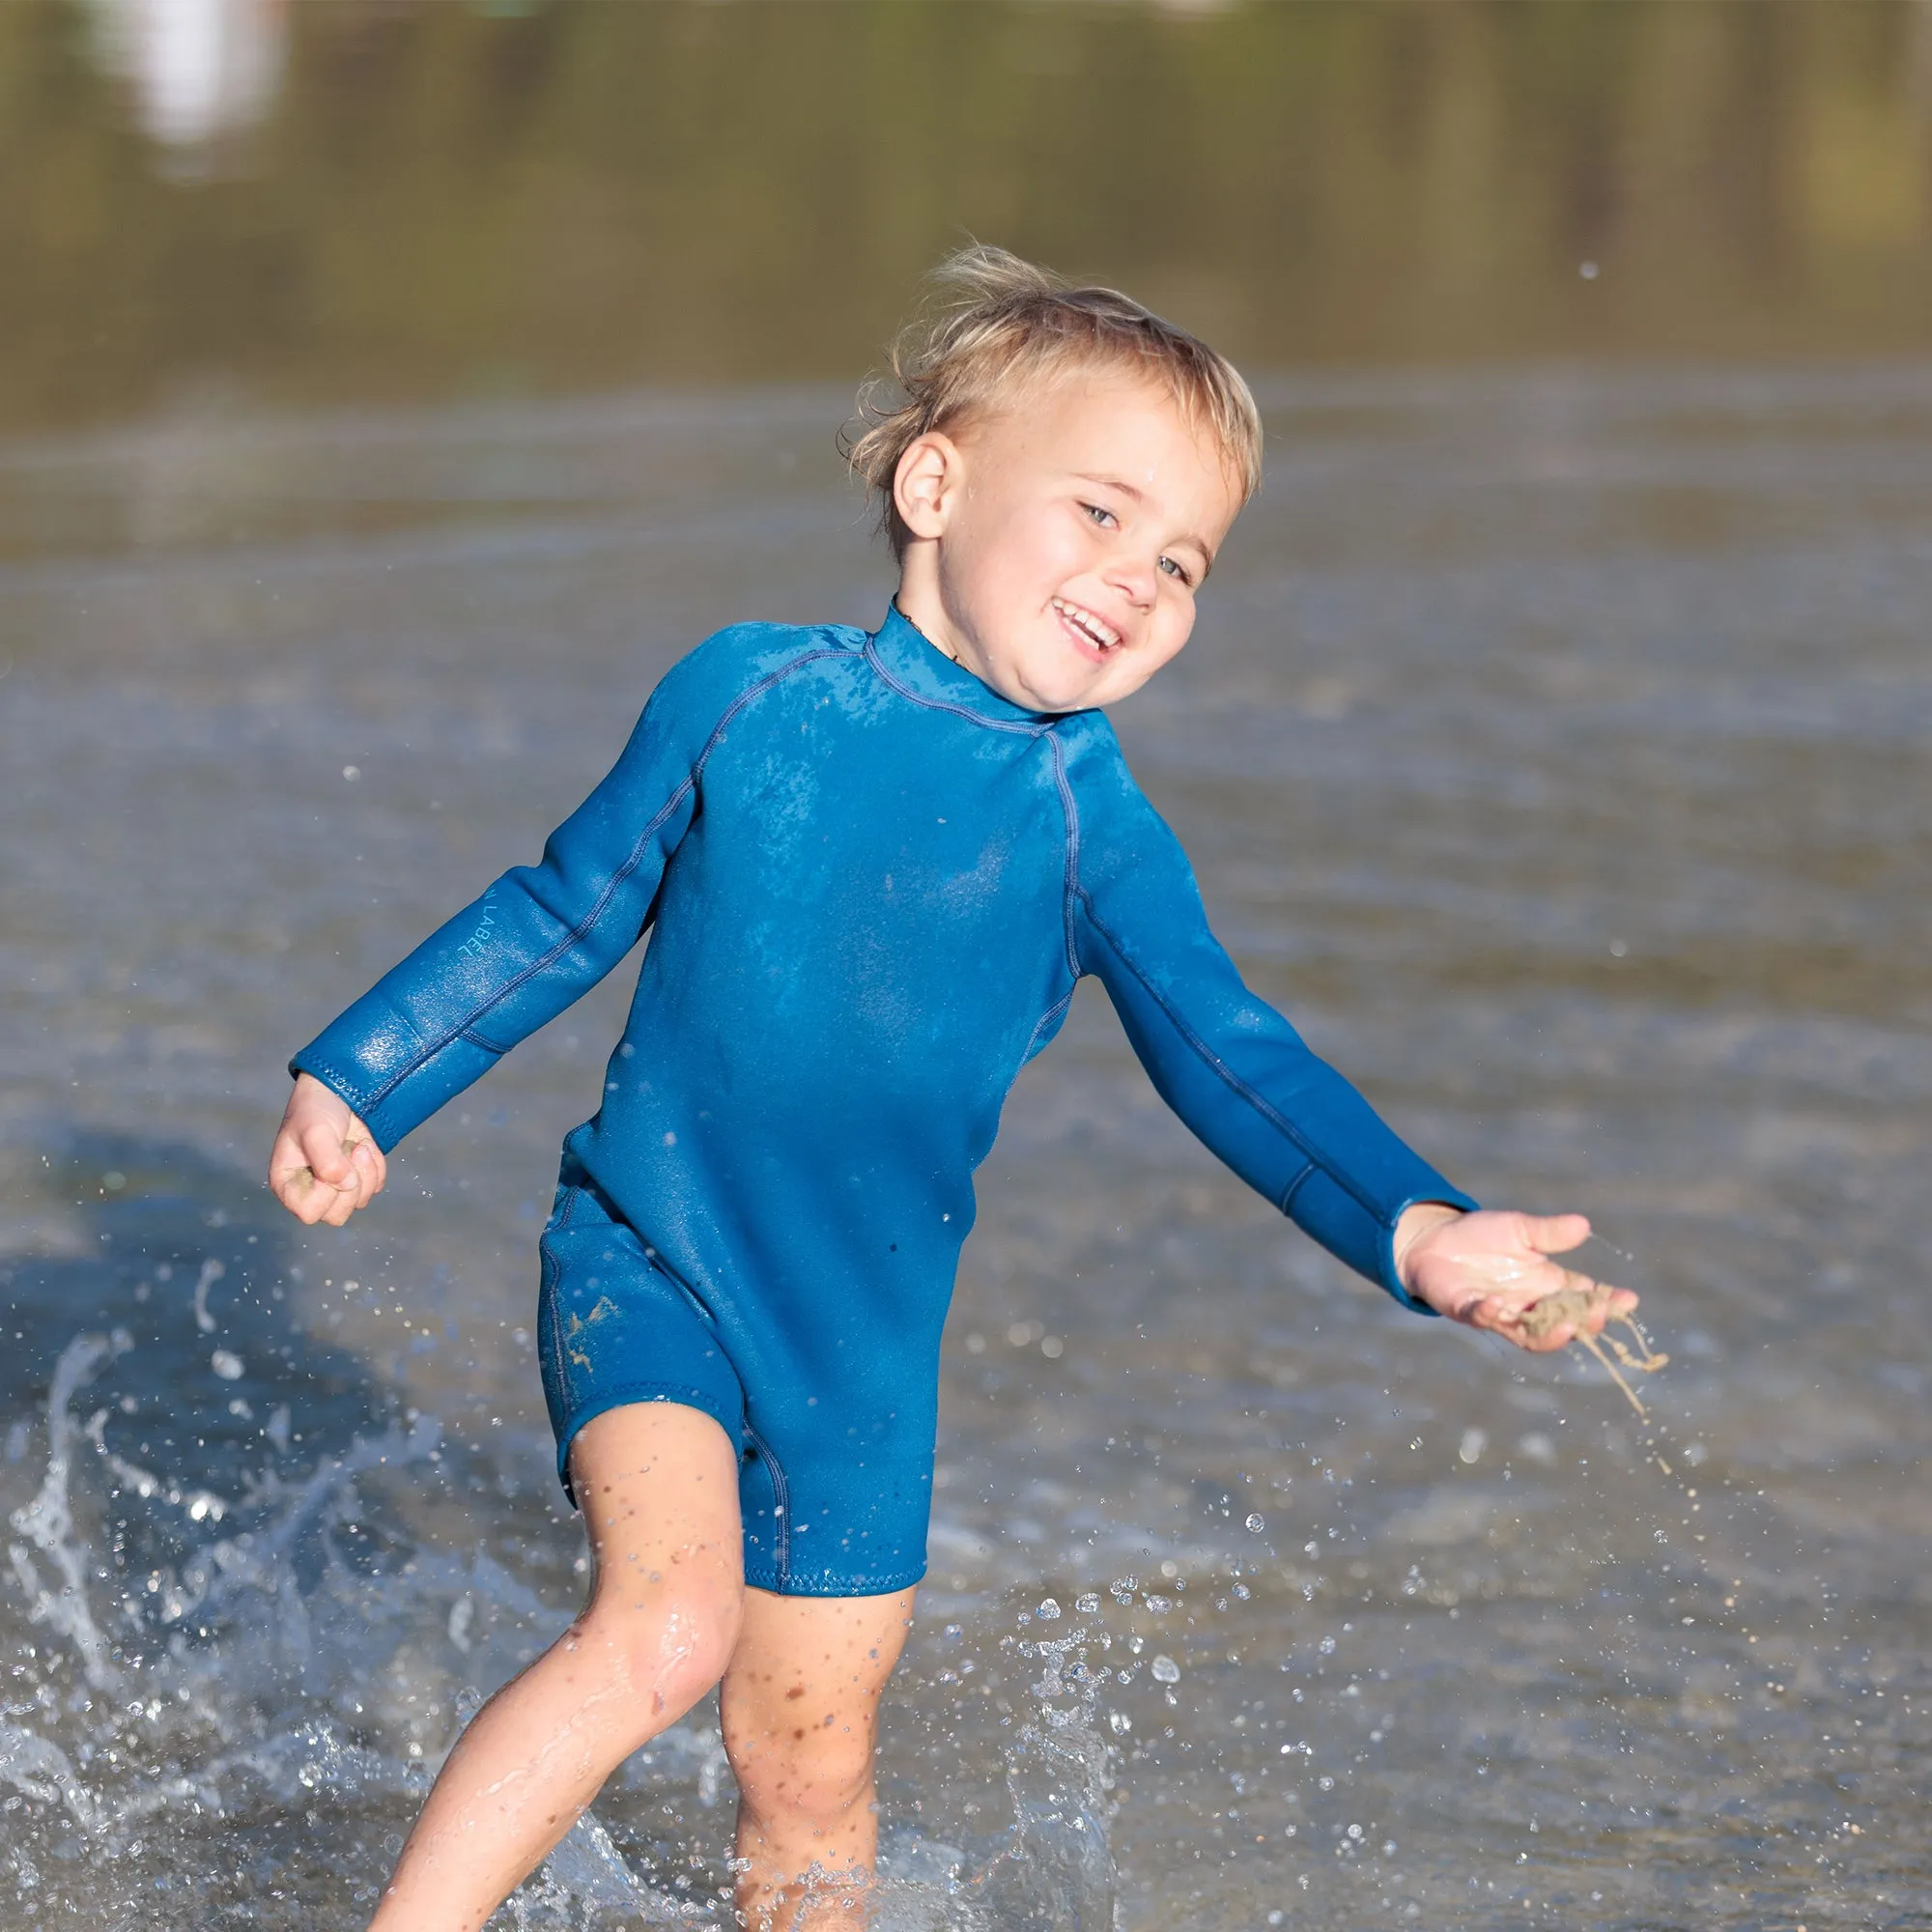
[325, 1164]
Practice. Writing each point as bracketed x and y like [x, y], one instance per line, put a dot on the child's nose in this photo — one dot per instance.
[1135, 579]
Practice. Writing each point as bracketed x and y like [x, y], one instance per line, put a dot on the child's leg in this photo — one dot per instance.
[659, 1488]
[799, 1707]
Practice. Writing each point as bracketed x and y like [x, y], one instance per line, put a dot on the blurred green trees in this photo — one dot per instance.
[452, 199]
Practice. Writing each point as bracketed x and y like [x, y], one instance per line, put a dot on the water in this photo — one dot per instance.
[1551, 748]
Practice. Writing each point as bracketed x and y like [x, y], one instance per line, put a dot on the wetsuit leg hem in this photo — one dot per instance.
[760, 1577]
[622, 1395]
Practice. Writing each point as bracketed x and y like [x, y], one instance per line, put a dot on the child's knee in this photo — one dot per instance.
[664, 1650]
[809, 1772]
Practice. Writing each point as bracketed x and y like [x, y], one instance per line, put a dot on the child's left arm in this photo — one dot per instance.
[1283, 1119]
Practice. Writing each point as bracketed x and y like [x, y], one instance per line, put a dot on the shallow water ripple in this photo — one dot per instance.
[1551, 750]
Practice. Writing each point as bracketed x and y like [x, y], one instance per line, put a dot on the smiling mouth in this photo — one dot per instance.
[1088, 629]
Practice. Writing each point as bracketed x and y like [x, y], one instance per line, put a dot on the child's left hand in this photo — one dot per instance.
[1488, 1268]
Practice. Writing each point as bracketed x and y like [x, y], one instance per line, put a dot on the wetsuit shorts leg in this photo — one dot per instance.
[614, 1326]
[835, 1473]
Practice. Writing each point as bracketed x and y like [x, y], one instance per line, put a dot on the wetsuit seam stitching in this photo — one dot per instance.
[1256, 1100]
[1035, 729]
[1294, 1188]
[1070, 887]
[589, 921]
[1045, 1020]
[780, 1505]
[553, 1273]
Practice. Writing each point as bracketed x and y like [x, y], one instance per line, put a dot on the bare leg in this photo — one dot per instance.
[659, 1487]
[799, 1707]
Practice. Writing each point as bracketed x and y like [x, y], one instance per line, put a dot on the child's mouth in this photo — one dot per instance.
[1092, 637]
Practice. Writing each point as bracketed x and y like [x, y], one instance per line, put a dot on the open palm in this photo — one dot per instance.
[1489, 1269]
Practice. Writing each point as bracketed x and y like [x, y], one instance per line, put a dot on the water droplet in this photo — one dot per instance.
[1589, 271]
[1166, 1670]
[352, 773]
[229, 1366]
[1256, 1523]
[1086, 1603]
[1472, 1445]
[1048, 1610]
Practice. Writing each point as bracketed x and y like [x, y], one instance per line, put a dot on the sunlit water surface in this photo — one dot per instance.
[1551, 748]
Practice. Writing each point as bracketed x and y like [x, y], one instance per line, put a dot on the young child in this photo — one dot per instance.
[873, 868]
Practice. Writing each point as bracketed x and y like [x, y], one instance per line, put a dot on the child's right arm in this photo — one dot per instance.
[538, 939]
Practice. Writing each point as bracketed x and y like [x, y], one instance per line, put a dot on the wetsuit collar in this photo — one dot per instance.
[910, 661]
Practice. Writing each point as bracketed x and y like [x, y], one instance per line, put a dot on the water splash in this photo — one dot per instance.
[307, 1657]
[1057, 1872]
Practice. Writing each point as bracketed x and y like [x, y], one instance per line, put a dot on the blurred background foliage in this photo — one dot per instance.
[359, 200]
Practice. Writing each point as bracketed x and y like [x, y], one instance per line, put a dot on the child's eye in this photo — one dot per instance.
[1173, 569]
[1106, 518]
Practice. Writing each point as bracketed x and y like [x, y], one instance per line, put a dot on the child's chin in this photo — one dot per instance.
[1070, 686]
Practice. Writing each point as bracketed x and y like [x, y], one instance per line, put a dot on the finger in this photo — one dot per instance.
[1601, 1303]
[1548, 1342]
[356, 1178]
[1619, 1306]
[1483, 1310]
[329, 1159]
[285, 1160]
[371, 1168]
[1511, 1329]
[290, 1179]
[299, 1192]
[1555, 1234]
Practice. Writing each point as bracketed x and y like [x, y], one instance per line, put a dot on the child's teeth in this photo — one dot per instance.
[1089, 624]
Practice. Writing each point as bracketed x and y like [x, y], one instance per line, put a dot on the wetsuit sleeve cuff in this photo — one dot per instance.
[1357, 1224]
[1447, 1197]
[336, 1070]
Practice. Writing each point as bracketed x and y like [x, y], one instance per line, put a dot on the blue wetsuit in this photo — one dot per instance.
[871, 883]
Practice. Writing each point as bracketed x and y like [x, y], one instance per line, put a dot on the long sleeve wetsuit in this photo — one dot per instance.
[871, 884]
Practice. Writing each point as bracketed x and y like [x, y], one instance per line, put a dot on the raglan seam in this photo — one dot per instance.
[1216, 1064]
[589, 921]
[1071, 888]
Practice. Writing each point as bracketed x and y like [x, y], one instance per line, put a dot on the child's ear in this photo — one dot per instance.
[926, 483]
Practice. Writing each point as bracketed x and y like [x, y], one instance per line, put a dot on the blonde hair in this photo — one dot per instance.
[996, 325]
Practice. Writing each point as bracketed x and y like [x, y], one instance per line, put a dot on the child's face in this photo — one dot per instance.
[1057, 549]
